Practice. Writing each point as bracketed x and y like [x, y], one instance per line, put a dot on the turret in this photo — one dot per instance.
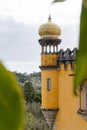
[49, 41]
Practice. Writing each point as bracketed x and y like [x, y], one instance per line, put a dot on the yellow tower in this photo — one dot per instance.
[49, 41]
[61, 108]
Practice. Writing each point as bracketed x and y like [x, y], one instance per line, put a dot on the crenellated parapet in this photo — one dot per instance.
[67, 57]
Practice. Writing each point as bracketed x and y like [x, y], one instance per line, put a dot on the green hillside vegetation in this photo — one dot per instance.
[35, 78]
[31, 86]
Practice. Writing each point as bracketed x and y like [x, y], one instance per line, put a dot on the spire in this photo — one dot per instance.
[49, 18]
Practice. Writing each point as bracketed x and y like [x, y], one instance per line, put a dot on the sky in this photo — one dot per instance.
[19, 24]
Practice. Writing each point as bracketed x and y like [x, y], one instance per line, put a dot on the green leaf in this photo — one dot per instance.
[11, 102]
[58, 1]
[81, 63]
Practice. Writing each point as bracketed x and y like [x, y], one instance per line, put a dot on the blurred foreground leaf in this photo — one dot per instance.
[81, 63]
[11, 102]
[58, 1]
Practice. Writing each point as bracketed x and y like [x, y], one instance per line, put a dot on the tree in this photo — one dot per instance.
[31, 95]
[37, 97]
[21, 77]
[29, 92]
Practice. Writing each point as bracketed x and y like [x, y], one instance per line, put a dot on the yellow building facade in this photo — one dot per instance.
[61, 108]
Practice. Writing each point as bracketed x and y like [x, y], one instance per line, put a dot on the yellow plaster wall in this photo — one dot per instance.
[50, 98]
[61, 96]
[67, 117]
[49, 59]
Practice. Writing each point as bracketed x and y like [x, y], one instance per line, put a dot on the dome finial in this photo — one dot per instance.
[49, 18]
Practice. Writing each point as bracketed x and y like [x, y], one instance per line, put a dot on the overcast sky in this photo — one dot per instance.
[19, 24]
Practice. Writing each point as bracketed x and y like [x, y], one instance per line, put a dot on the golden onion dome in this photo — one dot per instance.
[49, 29]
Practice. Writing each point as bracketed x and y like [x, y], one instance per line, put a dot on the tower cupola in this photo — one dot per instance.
[49, 33]
[49, 29]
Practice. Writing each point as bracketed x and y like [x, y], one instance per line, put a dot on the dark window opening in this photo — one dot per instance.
[48, 84]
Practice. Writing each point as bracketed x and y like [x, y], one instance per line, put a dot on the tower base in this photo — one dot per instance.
[50, 115]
